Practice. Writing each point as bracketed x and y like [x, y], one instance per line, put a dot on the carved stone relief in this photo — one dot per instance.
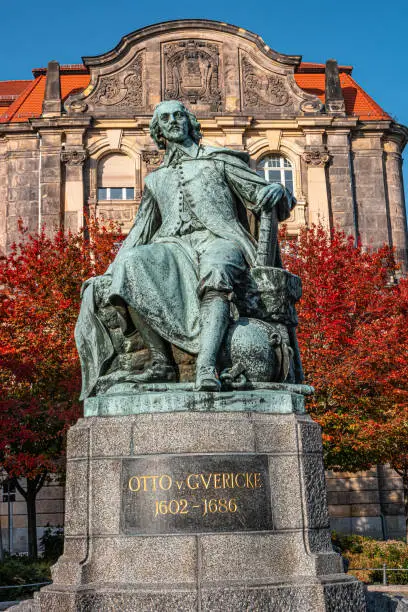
[152, 158]
[73, 157]
[316, 158]
[262, 90]
[118, 93]
[334, 107]
[191, 73]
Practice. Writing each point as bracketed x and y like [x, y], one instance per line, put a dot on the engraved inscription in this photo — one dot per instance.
[203, 493]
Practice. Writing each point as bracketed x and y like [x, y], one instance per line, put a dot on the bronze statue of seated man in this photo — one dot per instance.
[187, 256]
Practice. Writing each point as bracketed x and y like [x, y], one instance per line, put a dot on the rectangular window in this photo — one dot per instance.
[116, 193]
[102, 193]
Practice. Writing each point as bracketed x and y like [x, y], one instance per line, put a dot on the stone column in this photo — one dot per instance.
[316, 158]
[73, 156]
[341, 181]
[395, 185]
[371, 194]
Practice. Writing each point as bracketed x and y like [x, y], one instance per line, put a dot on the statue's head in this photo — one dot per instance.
[173, 122]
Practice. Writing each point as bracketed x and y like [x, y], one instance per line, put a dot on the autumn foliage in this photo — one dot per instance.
[352, 335]
[40, 282]
[354, 345]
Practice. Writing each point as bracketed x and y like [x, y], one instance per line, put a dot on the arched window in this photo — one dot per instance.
[116, 178]
[276, 169]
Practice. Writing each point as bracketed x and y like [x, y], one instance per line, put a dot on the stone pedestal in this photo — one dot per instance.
[150, 524]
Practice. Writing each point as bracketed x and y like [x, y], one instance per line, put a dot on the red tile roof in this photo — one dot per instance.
[10, 90]
[358, 103]
[29, 103]
[75, 77]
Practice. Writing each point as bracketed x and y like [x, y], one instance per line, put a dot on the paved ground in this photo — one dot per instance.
[392, 589]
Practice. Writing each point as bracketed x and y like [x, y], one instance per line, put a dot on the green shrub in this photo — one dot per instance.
[17, 570]
[366, 552]
[52, 543]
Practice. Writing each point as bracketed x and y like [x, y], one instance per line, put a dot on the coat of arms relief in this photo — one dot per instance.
[191, 73]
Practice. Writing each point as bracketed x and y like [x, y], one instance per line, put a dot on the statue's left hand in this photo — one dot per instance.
[273, 196]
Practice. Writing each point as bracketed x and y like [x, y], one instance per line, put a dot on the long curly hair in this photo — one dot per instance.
[156, 134]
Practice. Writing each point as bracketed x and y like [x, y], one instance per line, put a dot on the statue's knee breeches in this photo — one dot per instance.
[222, 267]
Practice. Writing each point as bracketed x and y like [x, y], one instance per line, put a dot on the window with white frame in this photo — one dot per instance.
[116, 178]
[276, 169]
[116, 193]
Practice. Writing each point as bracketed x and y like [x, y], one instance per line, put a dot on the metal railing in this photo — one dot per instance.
[384, 569]
[22, 586]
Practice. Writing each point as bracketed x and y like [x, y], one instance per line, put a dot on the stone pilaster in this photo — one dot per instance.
[371, 194]
[73, 157]
[395, 186]
[341, 181]
[316, 157]
[51, 209]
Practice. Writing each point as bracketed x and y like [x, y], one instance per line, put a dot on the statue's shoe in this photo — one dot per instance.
[207, 379]
[157, 372]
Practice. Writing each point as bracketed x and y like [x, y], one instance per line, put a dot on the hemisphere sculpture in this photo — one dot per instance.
[190, 274]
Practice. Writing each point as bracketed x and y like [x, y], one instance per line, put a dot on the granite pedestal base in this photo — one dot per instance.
[268, 549]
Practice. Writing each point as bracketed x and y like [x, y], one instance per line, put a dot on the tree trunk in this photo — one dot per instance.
[405, 490]
[30, 496]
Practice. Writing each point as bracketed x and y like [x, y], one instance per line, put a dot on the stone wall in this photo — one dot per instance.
[367, 503]
[19, 183]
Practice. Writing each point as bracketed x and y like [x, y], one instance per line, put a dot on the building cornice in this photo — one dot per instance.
[167, 27]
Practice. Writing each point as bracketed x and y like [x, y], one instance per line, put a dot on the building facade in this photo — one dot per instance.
[75, 139]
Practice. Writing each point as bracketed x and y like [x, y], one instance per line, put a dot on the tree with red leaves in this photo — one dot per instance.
[354, 345]
[40, 282]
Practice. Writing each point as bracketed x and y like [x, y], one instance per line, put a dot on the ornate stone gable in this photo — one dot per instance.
[191, 73]
[269, 89]
[214, 68]
[116, 94]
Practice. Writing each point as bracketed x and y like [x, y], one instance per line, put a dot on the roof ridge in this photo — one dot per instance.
[305, 66]
[16, 81]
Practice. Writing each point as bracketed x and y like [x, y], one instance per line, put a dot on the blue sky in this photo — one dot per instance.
[370, 35]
